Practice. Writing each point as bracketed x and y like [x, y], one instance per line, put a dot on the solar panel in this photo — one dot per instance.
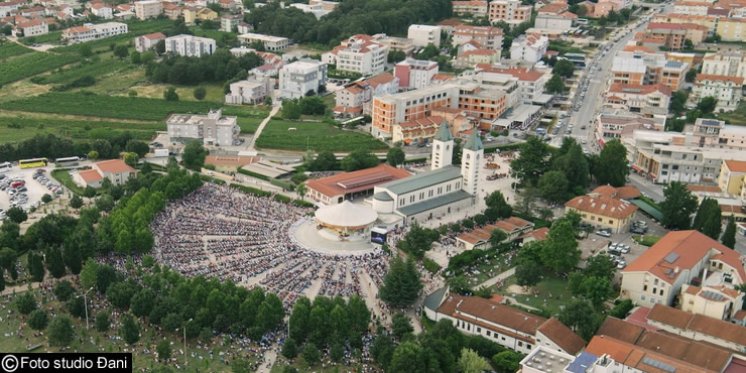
[709, 294]
[671, 257]
[659, 364]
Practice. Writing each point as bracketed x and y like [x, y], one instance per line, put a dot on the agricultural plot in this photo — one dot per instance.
[118, 107]
[96, 69]
[11, 50]
[288, 135]
[14, 129]
[31, 64]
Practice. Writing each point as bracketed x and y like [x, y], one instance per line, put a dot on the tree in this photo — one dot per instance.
[200, 93]
[324, 161]
[507, 361]
[678, 206]
[142, 302]
[102, 321]
[621, 309]
[471, 362]
[290, 349]
[46, 198]
[555, 85]
[55, 263]
[311, 354]
[708, 219]
[497, 207]
[574, 165]
[395, 156]
[63, 290]
[395, 56]
[170, 94]
[612, 166]
[76, 202]
[707, 104]
[418, 240]
[553, 186]
[138, 147]
[129, 331]
[85, 51]
[532, 161]
[38, 320]
[25, 303]
[301, 189]
[164, 350]
[16, 215]
[600, 266]
[105, 203]
[121, 51]
[401, 326]
[401, 285]
[528, 273]
[359, 159]
[580, 316]
[92, 155]
[136, 58]
[60, 332]
[564, 68]
[8, 259]
[729, 235]
[560, 251]
[194, 155]
[291, 109]
[678, 101]
[595, 289]
[497, 237]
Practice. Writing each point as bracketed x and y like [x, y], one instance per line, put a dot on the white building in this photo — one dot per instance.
[229, 23]
[147, 42]
[422, 35]
[558, 22]
[415, 74]
[89, 31]
[32, 27]
[148, 9]
[212, 129]
[102, 10]
[115, 170]
[190, 45]
[250, 92]
[359, 54]
[529, 48]
[726, 89]
[728, 63]
[301, 77]
[487, 36]
[270, 43]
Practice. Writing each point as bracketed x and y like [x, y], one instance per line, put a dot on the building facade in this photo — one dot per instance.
[148, 9]
[415, 74]
[299, 78]
[359, 54]
[190, 46]
[213, 128]
[88, 32]
[422, 35]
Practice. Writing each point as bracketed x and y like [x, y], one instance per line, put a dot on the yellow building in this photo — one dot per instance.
[606, 207]
[732, 29]
[191, 15]
[719, 301]
[731, 176]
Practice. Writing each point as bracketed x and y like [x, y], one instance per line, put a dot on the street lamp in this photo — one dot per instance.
[185, 342]
[85, 304]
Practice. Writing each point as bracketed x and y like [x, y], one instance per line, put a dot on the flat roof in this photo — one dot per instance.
[430, 204]
[423, 180]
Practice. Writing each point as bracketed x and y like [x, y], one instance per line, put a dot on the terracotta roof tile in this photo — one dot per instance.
[350, 182]
[736, 166]
[721, 78]
[602, 205]
[90, 176]
[562, 336]
[699, 323]
[114, 166]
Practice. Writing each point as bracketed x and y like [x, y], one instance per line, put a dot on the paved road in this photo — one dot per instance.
[647, 187]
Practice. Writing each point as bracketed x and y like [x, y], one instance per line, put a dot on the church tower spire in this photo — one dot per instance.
[471, 156]
[442, 147]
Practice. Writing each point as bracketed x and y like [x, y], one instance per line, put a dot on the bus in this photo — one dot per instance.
[67, 161]
[33, 163]
[5, 166]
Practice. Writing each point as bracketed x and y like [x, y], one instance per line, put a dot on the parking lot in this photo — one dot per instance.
[25, 188]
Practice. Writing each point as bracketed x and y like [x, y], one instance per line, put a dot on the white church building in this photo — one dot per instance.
[442, 190]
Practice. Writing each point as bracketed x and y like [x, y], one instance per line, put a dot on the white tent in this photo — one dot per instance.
[346, 215]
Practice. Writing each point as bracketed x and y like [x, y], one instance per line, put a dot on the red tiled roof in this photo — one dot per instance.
[561, 335]
[379, 79]
[602, 205]
[351, 182]
[114, 166]
[523, 74]
[699, 324]
[155, 36]
[736, 166]
[722, 78]
[90, 176]
[639, 88]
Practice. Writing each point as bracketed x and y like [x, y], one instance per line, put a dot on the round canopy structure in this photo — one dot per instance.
[346, 216]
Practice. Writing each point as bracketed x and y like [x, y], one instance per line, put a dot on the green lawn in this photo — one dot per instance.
[30, 64]
[550, 294]
[15, 128]
[98, 69]
[66, 179]
[317, 136]
[736, 117]
[53, 37]
[9, 49]
[646, 240]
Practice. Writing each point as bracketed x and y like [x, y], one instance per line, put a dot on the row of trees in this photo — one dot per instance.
[311, 105]
[108, 145]
[217, 67]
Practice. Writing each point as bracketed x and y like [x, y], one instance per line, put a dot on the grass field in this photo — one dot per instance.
[53, 37]
[118, 107]
[135, 28]
[16, 129]
[31, 64]
[315, 136]
[550, 294]
[737, 117]
[66, 179]
[9, 49]
[97, 69]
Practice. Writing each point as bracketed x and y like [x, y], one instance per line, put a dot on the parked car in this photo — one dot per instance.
[604, 232]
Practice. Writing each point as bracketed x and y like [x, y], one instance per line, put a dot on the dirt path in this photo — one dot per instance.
[50, 116]
[259, 130]
[500, 277]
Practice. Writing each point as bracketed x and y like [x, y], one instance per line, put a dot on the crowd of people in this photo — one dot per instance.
[223, 233]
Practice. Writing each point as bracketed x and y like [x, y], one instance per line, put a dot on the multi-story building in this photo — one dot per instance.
[634, 98]
[355, 99]
[190, 45]
[731, 177]
[422, 35]
[229, 22]
[628, 69]
[726, 89]
[529, 83]
[31, 27]
[606, 207]
[147, 42]
[610, 126]
[481, 103]
[299, 78]
[512, 12]
[212, 129]
[115, 170]
[359, 54]
[475, 8]
[487, 36]
[8, 8]
[270, 43]
[639, 68]
[251, 91]
[673, 35]
[88, 32]
[148, 9]
[706, 331]
[692, 8]
[719, 301]
[192, 14]
[469, 57]
[709, 21]
[658, 274]
[172, 11]
[555, 16]
[389, 110]
[731, 29]
[102, 10]
[725, 63]
[529, 48]
[415, 74]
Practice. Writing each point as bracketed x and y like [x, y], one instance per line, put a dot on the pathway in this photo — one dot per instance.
[269, 360]
[500, 277]
[259, 130]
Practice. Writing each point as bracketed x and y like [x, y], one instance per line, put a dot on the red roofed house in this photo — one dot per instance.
[731, 177]
[115, 170]
[470, 57]
[102, 10]
[603, 209]
[336, 189]
[634, 97]
[355, 99]
[679, 258]
[726, 89]
[673, 35]
[33, 27]
[488, 37]
[146, 42]
[705, 330]
[555, 16]
[479, 237]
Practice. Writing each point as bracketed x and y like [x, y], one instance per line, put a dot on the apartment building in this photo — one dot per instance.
[146, 9]
[612, 126]
[415, 74]
[7, 8]
[389, 110]
[719, 301]
[190, 46]
[31, 27]
[229, 22]
[89, 31]
[422, 35]
[692, 8]
[172, 11]
[488, 37]
[529, 48]
[640, 68]
[725, 63]
[299, 78]
[115, 170]
[270, 43]
[709, 21]
[469, 56]
[477, 9]
[674, 35]
[731, 177]
[634, 98]
[606, 207]
[102, 10]
[512, 12]
[355, 99]
[731, 29]
[212, 129]
[555, 16]
[251, 91]
[657, 276]
[147, 42]
[359, 54]
[629, 70]
[522, 85]
[192, 14]
[726, 89]
[481, 103]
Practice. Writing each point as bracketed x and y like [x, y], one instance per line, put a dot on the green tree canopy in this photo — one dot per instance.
[708, 219]
[194, 155]
[359, 159]
[395, 156]
[678, 206]
[532, 162]
[612, 166]
[60, 331]
[729, 235]
[553, 186]
[401, 285]
[560, 251]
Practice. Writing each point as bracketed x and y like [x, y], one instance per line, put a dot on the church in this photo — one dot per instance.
[440, 191]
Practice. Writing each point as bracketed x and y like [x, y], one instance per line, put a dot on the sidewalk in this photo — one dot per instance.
[500, 277]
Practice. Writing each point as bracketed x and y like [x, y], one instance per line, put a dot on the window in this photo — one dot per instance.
[411, 198]
[655, 282]
[661, 292]
[520, 344]
[645, 288]
[479, 330]
[655, 290]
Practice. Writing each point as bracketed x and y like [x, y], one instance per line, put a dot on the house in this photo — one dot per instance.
[343, 186]
[102, 10]
[190, 46]
[146, 9]
[359, 54]
[479, 238]
[719, 301]
[731, 177]
[194, 14]
[634, 98]
[299, 78]
[706, 330]
[212, 129]
[32, 27]
[488, 37]
[512, 12]
[529, 48]
[422, 35]
[614, 126]
[7, 8]
[674, 35]
[530, 82]
[355, 99]
[657, 276]
[731, 29]
[473, 57]
[251, 91]
[507, 326]
[88, 32]
[270, 43]
[725, 63]
[726, 89]
[415, 74]
[604, 209]
[149, 41]
[115, 170]
[172, 11]
[555, 16]
[475, 8]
